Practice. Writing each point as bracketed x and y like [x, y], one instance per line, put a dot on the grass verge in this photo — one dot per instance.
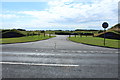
[23, 39]
[96, 41]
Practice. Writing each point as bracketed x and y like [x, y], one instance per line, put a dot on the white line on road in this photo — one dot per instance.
[36, 64]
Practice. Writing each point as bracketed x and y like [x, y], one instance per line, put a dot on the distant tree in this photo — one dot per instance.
[21, 29]
[67, 30]
[58, 30]
[78, 30]
[5, 30]
[42, 31]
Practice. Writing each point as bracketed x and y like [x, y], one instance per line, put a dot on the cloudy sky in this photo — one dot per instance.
[58, 14]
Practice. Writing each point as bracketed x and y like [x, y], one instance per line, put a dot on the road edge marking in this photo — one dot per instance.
[37, 64]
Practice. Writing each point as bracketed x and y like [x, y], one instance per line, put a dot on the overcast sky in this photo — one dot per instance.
[58, 14]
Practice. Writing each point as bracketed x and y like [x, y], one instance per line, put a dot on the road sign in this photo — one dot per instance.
[105, 25]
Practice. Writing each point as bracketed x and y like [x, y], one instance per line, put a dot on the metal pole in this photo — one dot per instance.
[27, 34]
[49, 35]
[44, 34]
[104, 25]
[80, 35]
[104, 36]
[32, 34]
[39, 33]
[69, 35]
[75, 35]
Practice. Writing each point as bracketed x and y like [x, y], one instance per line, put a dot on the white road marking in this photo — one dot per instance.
[37, 64]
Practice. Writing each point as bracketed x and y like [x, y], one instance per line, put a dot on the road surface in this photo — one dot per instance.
[58, 58]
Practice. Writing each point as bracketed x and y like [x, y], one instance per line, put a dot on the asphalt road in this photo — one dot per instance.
[58, 58]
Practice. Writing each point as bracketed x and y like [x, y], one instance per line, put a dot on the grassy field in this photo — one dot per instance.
[96, 41]
[24, 39]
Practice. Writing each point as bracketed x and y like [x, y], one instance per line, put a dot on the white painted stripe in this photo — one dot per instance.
[36, 64]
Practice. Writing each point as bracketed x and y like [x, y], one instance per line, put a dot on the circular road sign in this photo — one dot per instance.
[105, 25]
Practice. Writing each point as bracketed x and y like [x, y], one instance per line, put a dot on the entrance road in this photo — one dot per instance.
[58, 58]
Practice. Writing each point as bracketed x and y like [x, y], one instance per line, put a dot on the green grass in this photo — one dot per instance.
[96, 41]
[24, 39]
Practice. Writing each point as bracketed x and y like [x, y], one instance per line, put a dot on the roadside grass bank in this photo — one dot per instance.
[97, 41]
[24, 39]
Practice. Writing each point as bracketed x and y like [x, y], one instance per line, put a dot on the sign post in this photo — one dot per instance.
[105, 25]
